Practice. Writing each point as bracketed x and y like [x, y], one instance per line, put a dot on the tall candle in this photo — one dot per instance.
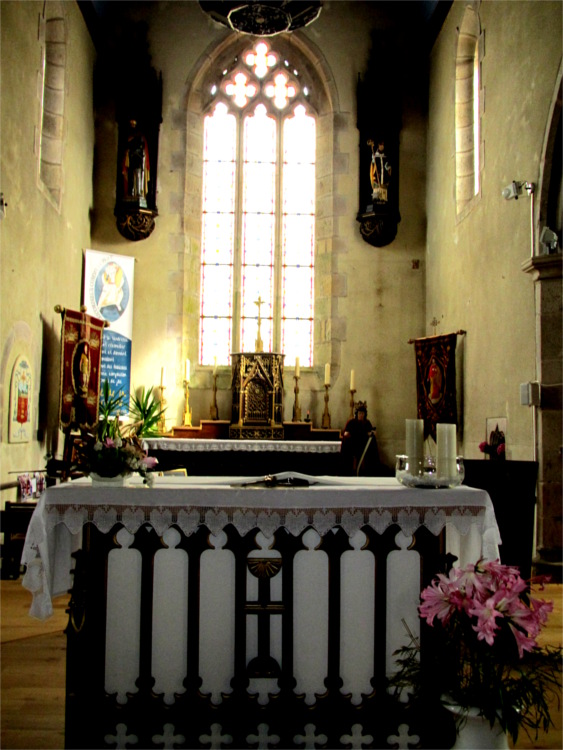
[414, 442]
[187, 371]
[327, 374]
[163, 377]
[296, 367]
[215, 365]
[352, 380]
[446, 449]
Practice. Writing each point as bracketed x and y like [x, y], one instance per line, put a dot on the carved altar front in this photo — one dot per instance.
[257, 392]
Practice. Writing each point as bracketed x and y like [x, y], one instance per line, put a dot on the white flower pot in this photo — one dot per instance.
[119, 481]
[475, 732]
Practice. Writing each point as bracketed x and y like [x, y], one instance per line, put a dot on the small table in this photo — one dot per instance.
[206, 605]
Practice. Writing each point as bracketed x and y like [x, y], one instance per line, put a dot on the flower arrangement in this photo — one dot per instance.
[496, 447]
[494, 451]
[112, 450]
[482, 648]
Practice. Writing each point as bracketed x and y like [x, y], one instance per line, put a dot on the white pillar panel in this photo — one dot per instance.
[123, 618]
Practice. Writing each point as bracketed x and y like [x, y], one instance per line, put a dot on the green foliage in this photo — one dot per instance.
[110, 407]
[146, 413]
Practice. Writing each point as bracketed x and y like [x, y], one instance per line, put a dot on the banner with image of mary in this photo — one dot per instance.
[108, 294]
[436, 381]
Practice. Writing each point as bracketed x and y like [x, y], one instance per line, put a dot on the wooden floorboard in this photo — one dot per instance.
[33, 673]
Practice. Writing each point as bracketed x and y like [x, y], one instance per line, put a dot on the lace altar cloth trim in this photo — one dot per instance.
[267, 520]
[55, 529]
[263, 446]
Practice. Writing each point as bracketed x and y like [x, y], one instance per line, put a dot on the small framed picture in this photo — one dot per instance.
[20, 401]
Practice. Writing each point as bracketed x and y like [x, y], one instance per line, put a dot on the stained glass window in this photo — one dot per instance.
[258, 228]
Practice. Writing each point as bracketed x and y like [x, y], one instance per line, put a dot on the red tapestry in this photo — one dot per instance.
[435, 381]
[81, 347]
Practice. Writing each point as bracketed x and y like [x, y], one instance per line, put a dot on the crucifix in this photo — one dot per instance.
[434, 323]
[258, 345]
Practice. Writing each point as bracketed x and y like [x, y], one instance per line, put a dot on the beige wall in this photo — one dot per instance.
[41, 248]
[474, 277]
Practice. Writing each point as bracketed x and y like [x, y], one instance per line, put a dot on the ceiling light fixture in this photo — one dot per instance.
[265, 17]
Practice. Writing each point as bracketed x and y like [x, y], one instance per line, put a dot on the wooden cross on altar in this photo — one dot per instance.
[258, 344]
[434, 323]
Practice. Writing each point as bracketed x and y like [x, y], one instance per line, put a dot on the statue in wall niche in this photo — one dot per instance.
[379, 173]
[136, 165]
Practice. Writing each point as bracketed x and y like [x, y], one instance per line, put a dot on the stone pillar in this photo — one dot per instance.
[546, 272]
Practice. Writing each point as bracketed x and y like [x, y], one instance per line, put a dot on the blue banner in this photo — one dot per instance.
[108, 294]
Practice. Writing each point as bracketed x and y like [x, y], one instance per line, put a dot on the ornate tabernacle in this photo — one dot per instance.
[257, 388]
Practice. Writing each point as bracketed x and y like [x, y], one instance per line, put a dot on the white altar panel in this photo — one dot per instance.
[217, 607]
[170, 621]
[403, 585]
[357, 619]
[123, 618]
[310, 616]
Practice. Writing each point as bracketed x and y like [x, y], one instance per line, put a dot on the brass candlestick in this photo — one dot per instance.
[352, 391]
[213, 409]
[162, 420]
[296, 407]
[187, 411]
[325, 424]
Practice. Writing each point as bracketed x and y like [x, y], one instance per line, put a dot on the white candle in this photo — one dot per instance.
[352, 380]
[187, 371]
[414, 443]
[327, 374]
[215, 365]
[163, 377]
[296, 367]
[446, 449]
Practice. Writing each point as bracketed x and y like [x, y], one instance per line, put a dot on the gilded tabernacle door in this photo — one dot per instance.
[257, 390]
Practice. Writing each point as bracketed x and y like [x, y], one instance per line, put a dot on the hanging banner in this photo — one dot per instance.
[81, 344]
[108, 294]
[435, 381]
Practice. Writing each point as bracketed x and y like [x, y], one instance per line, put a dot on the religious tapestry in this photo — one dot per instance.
[81, 346]
[435, 381]
[20, 401]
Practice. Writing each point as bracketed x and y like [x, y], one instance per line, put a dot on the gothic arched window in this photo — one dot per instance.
[53, 75]
[258, 224]
[468, 107]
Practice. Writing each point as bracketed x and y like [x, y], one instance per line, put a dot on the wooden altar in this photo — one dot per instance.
[257, 388]
[209, 614]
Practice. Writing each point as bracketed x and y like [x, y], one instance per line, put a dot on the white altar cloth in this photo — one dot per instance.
[206, 445]
[55, 530]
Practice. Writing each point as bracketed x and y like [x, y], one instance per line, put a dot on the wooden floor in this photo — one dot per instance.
[33, 673]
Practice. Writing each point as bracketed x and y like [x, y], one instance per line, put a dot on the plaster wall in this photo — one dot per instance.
[41, 246]
[474, 277]
[370, 302]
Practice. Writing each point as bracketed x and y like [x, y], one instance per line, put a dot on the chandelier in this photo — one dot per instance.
[265, 17]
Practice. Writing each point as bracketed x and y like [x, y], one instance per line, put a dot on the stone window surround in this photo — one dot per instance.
[51, 92]
[331, 163]
[469, 44]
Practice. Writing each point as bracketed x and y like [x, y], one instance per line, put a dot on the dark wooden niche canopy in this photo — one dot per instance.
[138, 114]
[379, 125]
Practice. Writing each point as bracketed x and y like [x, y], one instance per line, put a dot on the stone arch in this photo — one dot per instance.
[324, 100]
[467, 58]
[53, 89]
